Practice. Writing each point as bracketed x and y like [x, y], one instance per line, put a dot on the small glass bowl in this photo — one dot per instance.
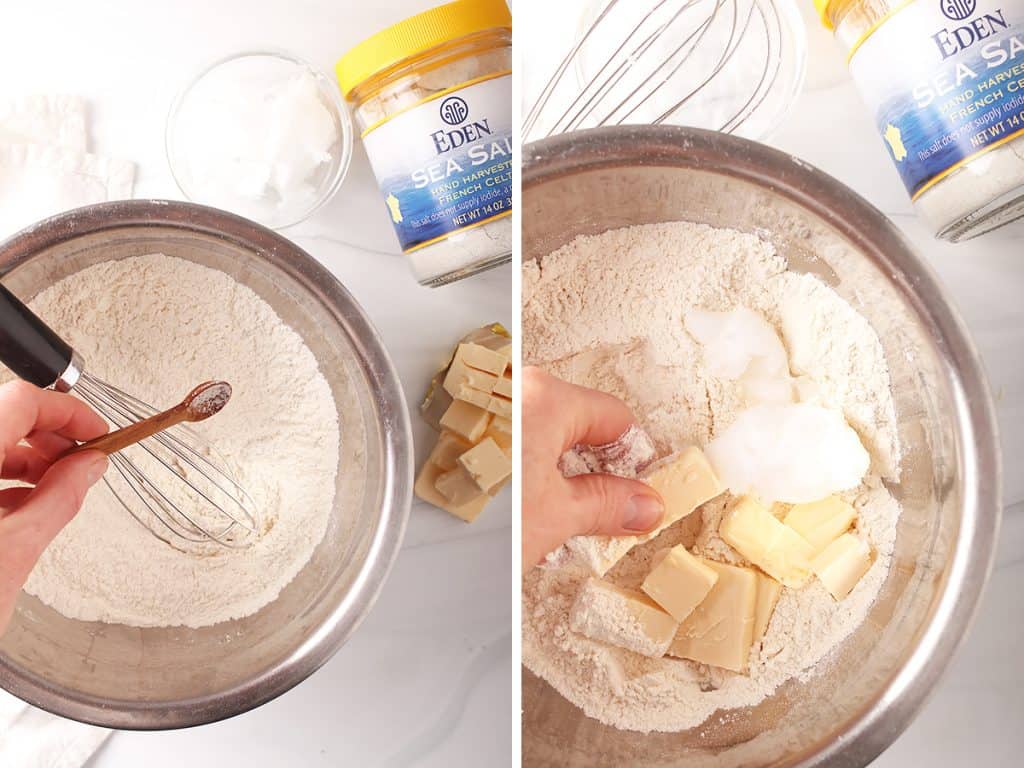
[270, 213]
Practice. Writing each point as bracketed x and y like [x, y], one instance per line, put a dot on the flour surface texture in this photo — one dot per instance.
[608, 311]
[156, 326]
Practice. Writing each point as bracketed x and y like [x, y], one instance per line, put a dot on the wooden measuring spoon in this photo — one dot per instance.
[201, 403]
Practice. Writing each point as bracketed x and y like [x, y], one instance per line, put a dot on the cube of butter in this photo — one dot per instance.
[610, 614]
[720, 630]
[768, 592]
[461, 376]
[482, 358]
[679, 582]
[466, 420]
[495, 404]
[842, 564]
[685, 480]
[821, 522]
[475, 396]
[500, 406]
[502, 425]
[495, 490]
[447, 450]
[494, 336]
[765, 541]
[486, 464]
[500, 431]
[457, 487]
[426, 489]
[503, 386]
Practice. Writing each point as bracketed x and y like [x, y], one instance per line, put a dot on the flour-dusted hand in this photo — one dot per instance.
[36, 426]
[557, 416]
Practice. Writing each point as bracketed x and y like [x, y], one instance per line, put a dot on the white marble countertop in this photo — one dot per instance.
[429, 674]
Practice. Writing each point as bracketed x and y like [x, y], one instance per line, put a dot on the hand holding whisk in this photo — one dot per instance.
[174, 482]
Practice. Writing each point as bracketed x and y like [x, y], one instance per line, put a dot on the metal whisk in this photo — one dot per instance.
[711, 63]
[175, 483]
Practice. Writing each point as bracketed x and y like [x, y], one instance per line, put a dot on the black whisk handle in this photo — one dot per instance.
[28, 346]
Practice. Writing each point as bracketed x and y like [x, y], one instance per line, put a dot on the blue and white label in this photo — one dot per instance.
[945, 80]
[446, 164]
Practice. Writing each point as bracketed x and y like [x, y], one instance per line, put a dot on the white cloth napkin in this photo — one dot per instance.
[45, 169]
[56, 120]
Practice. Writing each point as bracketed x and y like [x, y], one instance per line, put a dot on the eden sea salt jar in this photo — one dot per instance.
[432, 97]
[945, 81]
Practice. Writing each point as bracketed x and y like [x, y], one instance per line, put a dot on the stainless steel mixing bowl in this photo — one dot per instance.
[869, 691]
[126, 677]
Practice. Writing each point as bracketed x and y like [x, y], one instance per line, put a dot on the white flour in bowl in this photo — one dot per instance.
[607, 312]
[157, 326]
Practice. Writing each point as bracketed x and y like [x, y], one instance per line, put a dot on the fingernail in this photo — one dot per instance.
[642, 513]
[96, 470]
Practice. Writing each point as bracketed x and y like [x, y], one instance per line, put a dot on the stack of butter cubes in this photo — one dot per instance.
[470, 404]
[694, 608]
[790, 543]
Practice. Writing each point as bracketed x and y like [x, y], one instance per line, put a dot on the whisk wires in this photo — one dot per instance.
[650, 68]
[184, 489]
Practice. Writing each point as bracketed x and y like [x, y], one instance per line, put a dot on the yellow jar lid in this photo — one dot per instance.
[821, 6]
[417, 34]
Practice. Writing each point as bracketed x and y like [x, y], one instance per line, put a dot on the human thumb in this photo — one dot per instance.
[615, 506]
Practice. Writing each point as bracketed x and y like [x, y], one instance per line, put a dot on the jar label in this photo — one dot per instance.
[445, 164]
[945, 80]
